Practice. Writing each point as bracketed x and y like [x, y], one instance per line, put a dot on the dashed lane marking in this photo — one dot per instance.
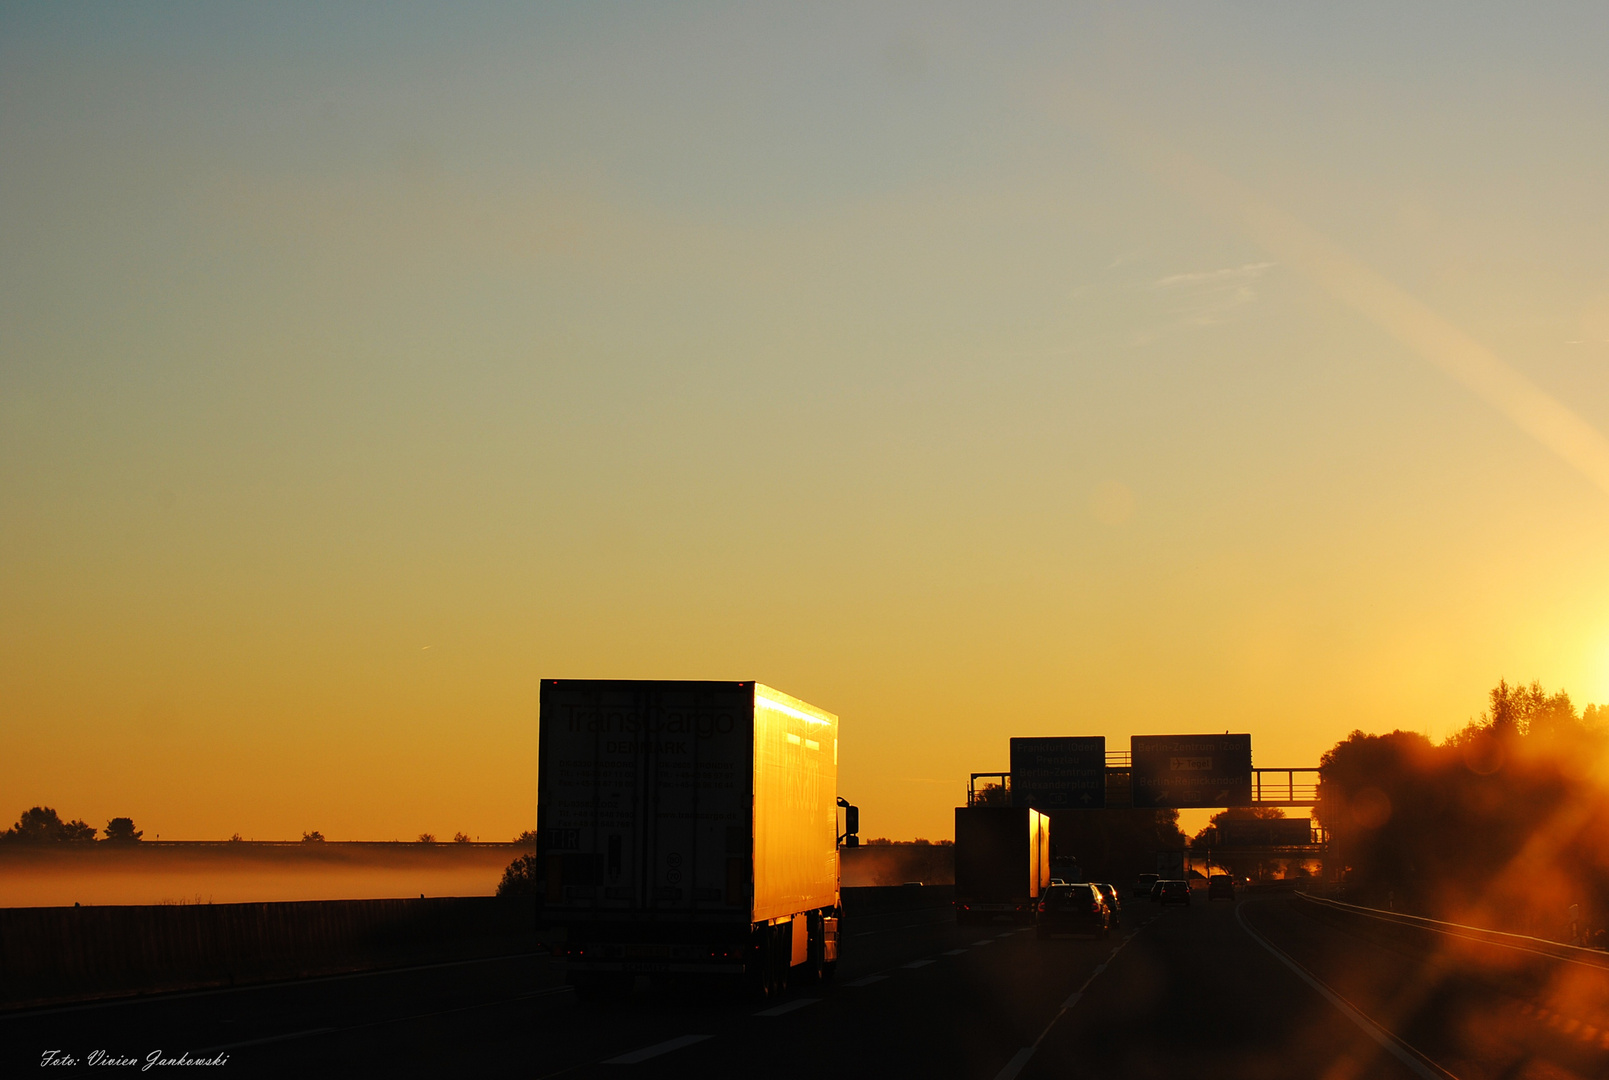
[211, 1050]
[787, 1007]
[636, 1057]
[1008, 933]
[552, 993]
[866, 980]
[1014, 1066]
[917, 964]
[985, 941]
[955, 952]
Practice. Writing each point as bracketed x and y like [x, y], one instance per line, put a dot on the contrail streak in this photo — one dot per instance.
[1388, 306]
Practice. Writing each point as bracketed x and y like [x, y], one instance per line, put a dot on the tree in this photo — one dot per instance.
[1494, 827]
[528, 838]
[460, 838]
[121, 830]
[314, 837]
[78, 831]
[519, 879]
[427, 838]
[992, 795]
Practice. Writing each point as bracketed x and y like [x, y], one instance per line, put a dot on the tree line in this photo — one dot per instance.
[42, 825]
[1504, 824]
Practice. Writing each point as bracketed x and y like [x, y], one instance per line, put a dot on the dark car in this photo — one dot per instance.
[1113, 904]
[1173, 892]
[1073, 909]
[1220, 885]
[1142, 886]
[1156, 890]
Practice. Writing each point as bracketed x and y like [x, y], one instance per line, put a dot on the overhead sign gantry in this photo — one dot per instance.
[1191, 770]
[1059, 773]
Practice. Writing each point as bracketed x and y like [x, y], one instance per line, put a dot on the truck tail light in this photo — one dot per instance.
[1043, 906]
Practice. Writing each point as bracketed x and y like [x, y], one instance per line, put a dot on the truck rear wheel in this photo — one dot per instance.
[767, 967]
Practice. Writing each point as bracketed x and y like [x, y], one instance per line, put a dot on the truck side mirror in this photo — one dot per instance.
[852, 823]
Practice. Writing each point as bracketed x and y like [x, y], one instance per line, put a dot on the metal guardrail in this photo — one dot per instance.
[1519, 943]
[1559, 993]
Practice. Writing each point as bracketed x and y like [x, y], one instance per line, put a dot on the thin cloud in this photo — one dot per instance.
[1208, 297]
[1227, 275]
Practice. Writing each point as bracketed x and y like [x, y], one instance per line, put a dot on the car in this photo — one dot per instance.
[1220, 885]
[1113, 904]
[1142, 886]
[1156, 890]
[1073, 909]
[1173, 892]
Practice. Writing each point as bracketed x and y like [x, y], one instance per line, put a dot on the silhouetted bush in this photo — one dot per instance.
[520, 878]
[121, 830]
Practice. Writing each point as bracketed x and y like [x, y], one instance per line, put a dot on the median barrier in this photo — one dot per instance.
[58, 953]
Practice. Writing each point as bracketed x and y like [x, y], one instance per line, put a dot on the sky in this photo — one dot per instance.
[967, 371]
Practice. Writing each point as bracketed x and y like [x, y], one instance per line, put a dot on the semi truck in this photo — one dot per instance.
[1002, 862]
[687, 829]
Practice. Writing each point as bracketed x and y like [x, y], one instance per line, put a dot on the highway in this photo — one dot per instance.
[1249, 989]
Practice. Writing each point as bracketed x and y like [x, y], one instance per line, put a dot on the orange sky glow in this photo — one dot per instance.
[1106, 373]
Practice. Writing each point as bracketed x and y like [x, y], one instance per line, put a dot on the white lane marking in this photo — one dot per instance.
[1014, 1066]
[1008, 933]
[1399, 1049]
[638, 1056]
[942, 918]
[955, 952]
[917, 964]
[985, 941]
[390, 1021]
[787, 1007]
[866, 980]
[267, 1039]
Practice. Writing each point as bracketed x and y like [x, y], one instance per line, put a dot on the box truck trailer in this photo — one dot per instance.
[687, 829]
[1002, 862]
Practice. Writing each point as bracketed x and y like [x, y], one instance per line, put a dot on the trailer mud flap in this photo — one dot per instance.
[801, 941]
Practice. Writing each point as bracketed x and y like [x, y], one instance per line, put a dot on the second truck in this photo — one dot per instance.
[687, 829]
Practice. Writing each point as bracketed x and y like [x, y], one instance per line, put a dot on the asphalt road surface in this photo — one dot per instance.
[1249, 989]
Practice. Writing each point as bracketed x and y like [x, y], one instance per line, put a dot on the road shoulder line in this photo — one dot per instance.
[1391, 1042]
